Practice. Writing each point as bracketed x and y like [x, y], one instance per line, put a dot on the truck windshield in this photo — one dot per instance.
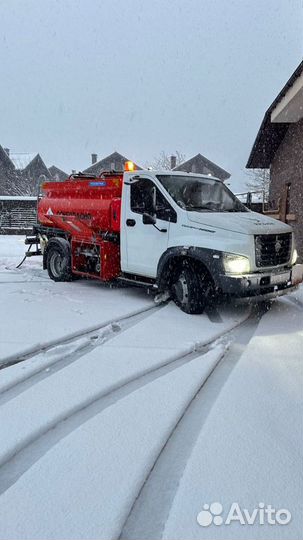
[200, 194]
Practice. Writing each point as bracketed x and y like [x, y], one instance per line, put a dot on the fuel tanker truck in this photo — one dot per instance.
[182, 236]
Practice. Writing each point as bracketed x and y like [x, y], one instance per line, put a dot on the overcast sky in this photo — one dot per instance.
[83, 76]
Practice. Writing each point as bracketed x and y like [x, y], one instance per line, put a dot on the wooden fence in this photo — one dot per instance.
[17, 214]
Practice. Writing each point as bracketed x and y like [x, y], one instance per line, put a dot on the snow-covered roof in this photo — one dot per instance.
[22, 159]
[16, 198]
[200, 164]
[284, 110]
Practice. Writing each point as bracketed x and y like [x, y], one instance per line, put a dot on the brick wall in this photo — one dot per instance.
[287, 167]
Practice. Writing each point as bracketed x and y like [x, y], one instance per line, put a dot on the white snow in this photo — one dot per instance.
[17, 198]
[84, 420]
[151, 343]
[90, 491]
[22, 371]
[12, 250]
[250, 449]
[47, 311]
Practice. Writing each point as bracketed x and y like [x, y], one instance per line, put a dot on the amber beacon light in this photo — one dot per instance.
[129, 166]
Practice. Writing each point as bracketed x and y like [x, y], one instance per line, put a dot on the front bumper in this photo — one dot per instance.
[261, 285]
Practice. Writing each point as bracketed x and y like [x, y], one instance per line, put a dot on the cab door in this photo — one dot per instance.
[145, 243]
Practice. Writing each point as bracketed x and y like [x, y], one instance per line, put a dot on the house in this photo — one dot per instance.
[34, 172]
[279, 147]
[21, 173]
[57, 174]
[201, 165]
[113, 162]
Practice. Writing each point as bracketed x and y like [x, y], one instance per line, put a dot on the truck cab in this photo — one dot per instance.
[184, 236]
[193, 236]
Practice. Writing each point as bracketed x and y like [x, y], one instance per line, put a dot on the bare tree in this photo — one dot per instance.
[259, 180]
[163, 162]
[21, 185]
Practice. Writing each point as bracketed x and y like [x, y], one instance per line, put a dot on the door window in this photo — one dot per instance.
[145, 197]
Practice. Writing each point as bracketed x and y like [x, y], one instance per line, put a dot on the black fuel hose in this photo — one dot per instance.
[20, 264]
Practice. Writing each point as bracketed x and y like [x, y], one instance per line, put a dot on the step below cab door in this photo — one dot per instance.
[143, 244]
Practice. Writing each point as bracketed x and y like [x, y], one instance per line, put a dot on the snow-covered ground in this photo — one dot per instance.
[124, 419]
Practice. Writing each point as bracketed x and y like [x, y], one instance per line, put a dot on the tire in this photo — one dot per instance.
[58, 260]
[265, 305]
[191, 288]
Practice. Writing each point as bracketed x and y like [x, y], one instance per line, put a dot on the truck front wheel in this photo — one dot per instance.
[191, 287]
[58, 261]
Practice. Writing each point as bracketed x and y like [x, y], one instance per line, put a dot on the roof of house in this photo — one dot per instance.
[36, 164]
[57, 173]
[19, 173]
[21, 159]
[114, 161]
[200, 164]
[17, 198]
[23, 162]
[5, 159]
[271, 134]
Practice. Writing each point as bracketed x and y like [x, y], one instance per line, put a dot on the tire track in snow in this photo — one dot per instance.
[40, 443]
[94, 340]
[151, 508]
[27, 281]
[294, 300]
[44, 347]
[36, 447]
[22, 277]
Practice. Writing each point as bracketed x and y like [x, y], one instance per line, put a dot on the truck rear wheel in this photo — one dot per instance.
[58, 260]
[191, 288]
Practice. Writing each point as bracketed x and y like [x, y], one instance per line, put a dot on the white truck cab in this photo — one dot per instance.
[189, 236]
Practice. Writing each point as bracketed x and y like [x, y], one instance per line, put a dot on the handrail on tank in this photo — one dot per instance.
[102, 174]
[105, 173]
[81, 175]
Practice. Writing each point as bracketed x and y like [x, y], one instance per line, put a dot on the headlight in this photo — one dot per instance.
[235, 264]
[294, 257]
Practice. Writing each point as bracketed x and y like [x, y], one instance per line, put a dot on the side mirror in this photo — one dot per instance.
[148, 219]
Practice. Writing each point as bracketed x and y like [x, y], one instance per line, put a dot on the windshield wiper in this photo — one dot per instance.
[235, 210]
[200, 208]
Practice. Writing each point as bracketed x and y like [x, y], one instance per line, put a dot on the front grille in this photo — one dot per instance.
[272, 249]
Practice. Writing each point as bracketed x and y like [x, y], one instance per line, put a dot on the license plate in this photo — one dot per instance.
[280, 278]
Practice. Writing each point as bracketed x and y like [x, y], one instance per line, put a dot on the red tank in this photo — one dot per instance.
[95, 202]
